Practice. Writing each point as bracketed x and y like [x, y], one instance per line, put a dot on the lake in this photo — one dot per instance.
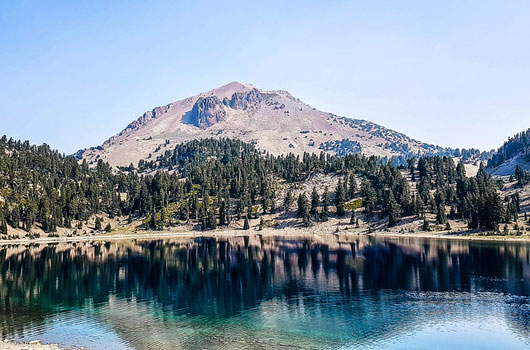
[269, 293]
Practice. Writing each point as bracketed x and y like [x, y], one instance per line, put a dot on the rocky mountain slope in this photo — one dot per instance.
[514, 152]
[275, 121]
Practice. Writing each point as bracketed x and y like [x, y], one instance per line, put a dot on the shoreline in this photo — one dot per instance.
[452, 236]
[11, 344]
[287, 233]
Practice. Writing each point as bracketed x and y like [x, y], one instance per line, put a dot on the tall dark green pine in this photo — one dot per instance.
[246, 225]
[212, 220]
[288, 202]
[340, 199]
[441, 217]
[97, 226]
[3, 225]
[315, 199]
[394, 210]
[352, 189]
[222, 213]
[304, 209]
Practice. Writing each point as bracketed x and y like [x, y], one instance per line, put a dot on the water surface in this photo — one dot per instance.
[269, 293]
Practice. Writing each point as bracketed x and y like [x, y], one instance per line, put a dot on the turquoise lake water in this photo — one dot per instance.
[269, 293]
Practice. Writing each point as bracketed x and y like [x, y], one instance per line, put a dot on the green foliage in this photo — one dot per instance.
[340, 199]
[353, 204]
[519, 144]
[246, 225]
[97, 226]
[220, 179]
[304, 209]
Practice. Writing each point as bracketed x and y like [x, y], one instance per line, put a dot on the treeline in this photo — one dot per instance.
[519, 144]
[213, 182]
[442, 185]
[41, 185]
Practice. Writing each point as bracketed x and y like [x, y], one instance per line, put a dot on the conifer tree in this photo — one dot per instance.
[288, 202]
[425, 226]
[212, 220]
[352, 189]
[222, 213]
[3, 225]
[315, 198]
[304, 209]
[246, 225]
[340, 198]
[394, 210]
[97, 226]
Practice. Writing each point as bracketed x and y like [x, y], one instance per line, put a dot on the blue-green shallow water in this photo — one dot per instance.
[253, 293]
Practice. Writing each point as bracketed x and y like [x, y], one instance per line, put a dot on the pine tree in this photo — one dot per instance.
[369, 196]
[273, 203]
[425, 226]
[340, 198]
[352, 189]
[3, 225]
[394, 210]
[246, 225]
[315, 198]
[212, 220]
[222, 213]
[108, 228]
[261, 224]
[153, 223]
[304, 209]
[97, 226]
[288, 202]
[441, 217]
[420, 206]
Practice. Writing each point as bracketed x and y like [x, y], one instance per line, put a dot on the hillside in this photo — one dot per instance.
[515, 152]
[228, 184]
[274, 121]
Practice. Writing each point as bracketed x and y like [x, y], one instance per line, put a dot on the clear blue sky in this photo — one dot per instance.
[454, 73]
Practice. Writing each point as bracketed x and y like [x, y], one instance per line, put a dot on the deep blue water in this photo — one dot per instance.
[254, 293]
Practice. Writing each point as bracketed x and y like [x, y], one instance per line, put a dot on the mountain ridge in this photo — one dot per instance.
[513, 153]
[274, 120]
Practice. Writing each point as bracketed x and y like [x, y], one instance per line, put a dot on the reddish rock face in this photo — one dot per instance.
[274, 120]
[244, 101]
[207, 111]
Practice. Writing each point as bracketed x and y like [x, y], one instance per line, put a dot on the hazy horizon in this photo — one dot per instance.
[453, 74]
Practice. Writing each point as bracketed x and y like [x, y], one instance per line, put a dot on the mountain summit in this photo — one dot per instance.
[274, 120]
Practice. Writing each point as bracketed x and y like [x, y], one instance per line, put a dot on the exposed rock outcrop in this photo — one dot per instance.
[276, 121]
[207, 111]
[244, 101]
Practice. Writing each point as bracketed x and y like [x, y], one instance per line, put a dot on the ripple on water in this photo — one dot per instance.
[222, 295]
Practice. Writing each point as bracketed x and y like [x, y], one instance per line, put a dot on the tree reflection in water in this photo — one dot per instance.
[339, 277]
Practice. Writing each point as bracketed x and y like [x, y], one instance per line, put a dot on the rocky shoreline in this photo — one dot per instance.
[270, 232]
[32, 345]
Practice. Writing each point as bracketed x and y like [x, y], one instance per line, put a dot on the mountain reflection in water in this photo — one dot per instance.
[258, 293]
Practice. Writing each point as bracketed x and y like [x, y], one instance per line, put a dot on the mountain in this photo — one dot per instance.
[514, 152]
[274, 121]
